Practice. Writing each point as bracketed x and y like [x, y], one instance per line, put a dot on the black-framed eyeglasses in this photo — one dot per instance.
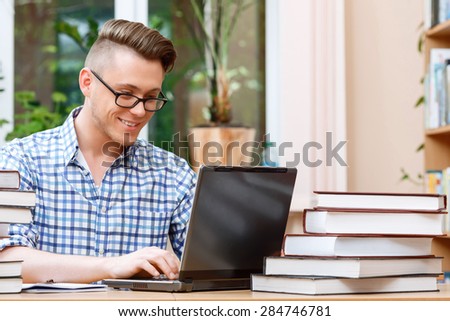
[125, 100]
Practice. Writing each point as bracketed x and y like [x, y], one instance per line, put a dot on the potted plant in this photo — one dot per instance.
[219, 141]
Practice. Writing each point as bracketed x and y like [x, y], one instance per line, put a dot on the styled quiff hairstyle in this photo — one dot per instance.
[147, 42]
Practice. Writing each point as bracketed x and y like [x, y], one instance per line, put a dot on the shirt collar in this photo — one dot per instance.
[68, 135]
[69, 142]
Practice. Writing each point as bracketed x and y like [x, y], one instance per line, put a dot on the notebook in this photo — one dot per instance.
[239, 216]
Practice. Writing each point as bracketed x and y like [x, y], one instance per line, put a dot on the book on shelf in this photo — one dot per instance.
[432, 13]
[436, 90]
[441, 92]
[351, 267]
[434, 181]
[17, 198]
[428, 13]
[315, 285]
[15, 214]
[443, 8]
[10, 285]
[360, 246]
[446, 89]
[10, 268]
[439, 181]
[381, 201]
[354, 222]
[9, 179]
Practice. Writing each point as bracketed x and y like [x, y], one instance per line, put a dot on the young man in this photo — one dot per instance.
[106, 200]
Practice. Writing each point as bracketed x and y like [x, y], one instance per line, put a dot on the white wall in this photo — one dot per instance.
[384, 70]
[306, 91]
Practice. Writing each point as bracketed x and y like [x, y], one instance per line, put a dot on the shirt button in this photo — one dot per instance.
[103, 210]
[101, 251]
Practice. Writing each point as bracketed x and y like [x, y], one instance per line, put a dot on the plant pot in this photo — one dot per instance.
[224, 146]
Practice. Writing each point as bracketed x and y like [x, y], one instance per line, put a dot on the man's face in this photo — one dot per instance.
[125, 73]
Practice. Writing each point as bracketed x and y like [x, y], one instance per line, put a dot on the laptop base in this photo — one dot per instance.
[179, 286]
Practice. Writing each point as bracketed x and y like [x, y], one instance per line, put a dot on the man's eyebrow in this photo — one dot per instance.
[156, 89]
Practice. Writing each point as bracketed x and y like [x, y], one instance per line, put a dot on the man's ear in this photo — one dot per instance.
[85, 81]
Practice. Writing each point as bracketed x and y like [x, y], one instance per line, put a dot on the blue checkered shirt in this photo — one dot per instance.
[146, 196]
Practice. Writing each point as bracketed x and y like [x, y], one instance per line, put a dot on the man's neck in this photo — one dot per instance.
[98, 151]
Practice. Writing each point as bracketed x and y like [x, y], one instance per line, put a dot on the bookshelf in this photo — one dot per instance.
[437, 140]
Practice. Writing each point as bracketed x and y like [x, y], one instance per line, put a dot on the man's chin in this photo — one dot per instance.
[128, 140]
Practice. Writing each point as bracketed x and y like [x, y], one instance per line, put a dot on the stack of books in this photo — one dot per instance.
[15, 205]
[15, 208]
[360, 243]
[10, 277]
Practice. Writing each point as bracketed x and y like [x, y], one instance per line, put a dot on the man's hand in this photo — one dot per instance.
[151, 260]
[39, 266]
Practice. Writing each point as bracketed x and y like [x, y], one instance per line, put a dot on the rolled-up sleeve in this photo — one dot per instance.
[20, 235]
[11, 158]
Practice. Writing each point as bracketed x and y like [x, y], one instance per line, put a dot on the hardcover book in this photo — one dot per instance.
[10, 285]
[382, 201]
[15, 214]
[351, 267]
[4, 229]
[347, 221]
[10, 268]
[9, 179]
[359, 246]
[17, 198]
[332, 285]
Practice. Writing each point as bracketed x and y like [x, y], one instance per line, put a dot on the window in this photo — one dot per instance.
[189, 99]
[48, 61]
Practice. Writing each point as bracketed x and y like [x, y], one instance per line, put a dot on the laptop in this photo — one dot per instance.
[239, 216]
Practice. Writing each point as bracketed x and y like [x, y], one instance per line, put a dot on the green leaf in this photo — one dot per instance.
[69, 30]
[49, 49]
[25, 98]
[420, 101]
[421, 25]
[155, 22]
[420, 44]
[72, 32]
[405, 175]
[92, 34]
[59, 97]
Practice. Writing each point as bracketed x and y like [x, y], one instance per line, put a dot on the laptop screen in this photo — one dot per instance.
[238, 217]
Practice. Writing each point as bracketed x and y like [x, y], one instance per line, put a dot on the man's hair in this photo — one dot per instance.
[147, 42]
